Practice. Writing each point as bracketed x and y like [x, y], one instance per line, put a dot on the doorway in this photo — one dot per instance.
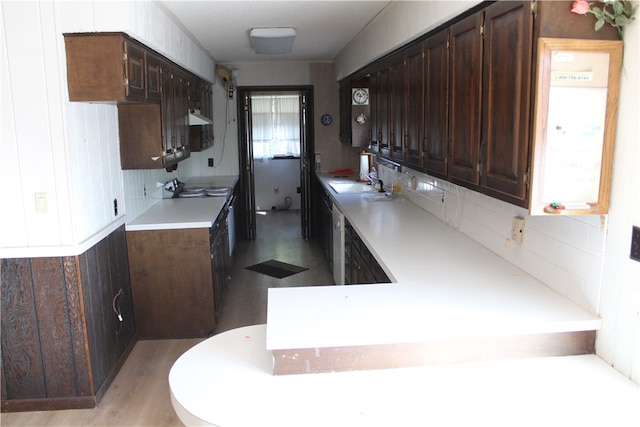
[263, 137]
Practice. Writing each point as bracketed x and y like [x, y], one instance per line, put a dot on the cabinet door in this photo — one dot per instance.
[168, 137]
[206, 102]
[172, 293]
[507, 97]
[465, 106]
[436, 103]
[414, 118]
[181, 94]
[397, 108]
[345, 111]
[134, 71]
[374, 89]
[153, 76]
[201, 136]
[382, 106]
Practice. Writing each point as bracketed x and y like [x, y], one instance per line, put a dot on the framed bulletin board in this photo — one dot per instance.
[577, 88]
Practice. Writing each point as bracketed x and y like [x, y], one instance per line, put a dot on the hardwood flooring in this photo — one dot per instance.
[139, 395]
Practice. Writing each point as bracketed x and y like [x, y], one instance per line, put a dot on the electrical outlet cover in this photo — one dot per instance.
[635, 244]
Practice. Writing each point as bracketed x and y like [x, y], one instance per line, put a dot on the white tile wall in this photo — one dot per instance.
[284, 174]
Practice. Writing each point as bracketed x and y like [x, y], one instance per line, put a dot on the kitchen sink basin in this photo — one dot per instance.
[350, 187]
[380, 197]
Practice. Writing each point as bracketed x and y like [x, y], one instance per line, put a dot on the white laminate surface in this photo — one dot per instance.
[227, 381]
[447, 286]
[179, 213]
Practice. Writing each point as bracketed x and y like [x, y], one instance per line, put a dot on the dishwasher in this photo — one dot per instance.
[338, 245]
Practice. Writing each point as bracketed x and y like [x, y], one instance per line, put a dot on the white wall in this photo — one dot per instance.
[585, 258]
[70, 151]
[283, 174]
[326, 138]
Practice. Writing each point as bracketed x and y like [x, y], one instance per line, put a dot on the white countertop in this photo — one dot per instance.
[227, 381]
[170, 214]
[180, 213]
[447, 286]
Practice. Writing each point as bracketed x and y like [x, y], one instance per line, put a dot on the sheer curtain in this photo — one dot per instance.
[275, 125]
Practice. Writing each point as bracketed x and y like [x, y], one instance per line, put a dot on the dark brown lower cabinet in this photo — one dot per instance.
[172, 282]
[67, 326]
[361, 267]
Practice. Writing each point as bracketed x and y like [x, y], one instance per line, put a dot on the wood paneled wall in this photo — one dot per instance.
[61, 339]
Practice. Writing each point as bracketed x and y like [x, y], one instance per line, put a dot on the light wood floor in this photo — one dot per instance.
[139, 395]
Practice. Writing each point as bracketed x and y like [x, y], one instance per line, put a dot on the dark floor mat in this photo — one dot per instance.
[276, 269]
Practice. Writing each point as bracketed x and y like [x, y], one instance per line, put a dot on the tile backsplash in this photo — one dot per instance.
[564, 252]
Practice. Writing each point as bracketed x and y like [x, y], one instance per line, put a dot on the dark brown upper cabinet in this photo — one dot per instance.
[436, 102]
[506, 109]
[201, 99]
[105, 67]
[397, 107]
[415, 123]
[345, 111]
[465, 101]
[153, 66]
[380, 107]
[153, 95]
[478, 77]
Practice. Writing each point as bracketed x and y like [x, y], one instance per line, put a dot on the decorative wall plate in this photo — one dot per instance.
[361, 119]
[326, 119]
[360, 96]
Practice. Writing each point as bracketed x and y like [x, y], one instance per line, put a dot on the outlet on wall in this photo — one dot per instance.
[517, 229]
[210, 162]
[635, 243]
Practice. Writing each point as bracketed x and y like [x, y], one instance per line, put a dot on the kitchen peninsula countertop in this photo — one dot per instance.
[180, 213]
[446, 286]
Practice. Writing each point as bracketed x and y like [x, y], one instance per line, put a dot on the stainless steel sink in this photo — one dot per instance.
[380, 197]
[350, 187]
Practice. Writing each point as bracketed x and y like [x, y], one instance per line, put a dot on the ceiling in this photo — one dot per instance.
[323, 28]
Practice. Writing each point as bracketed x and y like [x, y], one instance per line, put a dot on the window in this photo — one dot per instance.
[275, 125]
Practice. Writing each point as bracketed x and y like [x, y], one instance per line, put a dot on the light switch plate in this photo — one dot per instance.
[635, 244]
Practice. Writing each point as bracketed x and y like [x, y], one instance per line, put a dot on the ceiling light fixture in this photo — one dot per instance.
[272, 41]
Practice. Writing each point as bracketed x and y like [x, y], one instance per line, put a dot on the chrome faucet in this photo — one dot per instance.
[373, 177]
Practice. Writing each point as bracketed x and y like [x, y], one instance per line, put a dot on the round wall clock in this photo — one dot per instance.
[360, 96]
[326, 119]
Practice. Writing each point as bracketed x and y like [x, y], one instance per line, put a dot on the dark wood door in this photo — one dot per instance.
[397, 107]
[180, 124]
[382, 107]
[465, 107]
[507, 97]
[134, 71]
[154, 80]
[305, 98]
[345, 111]
[168, 136]
[436, 101]
[374, 89]
[415, 118]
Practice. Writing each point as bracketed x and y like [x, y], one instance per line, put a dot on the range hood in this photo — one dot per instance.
[196, 118]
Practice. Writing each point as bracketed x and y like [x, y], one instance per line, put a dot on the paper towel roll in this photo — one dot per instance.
[364, 166]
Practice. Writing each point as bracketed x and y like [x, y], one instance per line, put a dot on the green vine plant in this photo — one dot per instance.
[617, 13]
